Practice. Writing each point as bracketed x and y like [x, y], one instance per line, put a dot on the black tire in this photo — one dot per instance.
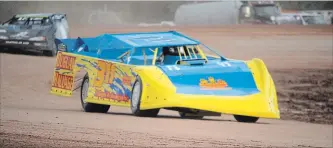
[246, 119]
[187, 116]
[136, 107]
[49, 53]
[52, 50]
[91, 107]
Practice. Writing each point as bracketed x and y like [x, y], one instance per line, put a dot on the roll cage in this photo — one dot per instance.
[28, 18]
[175, 54]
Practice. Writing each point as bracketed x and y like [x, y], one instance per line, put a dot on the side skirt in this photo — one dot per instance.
[194, 112]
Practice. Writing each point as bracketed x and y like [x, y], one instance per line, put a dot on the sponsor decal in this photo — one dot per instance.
[173, 67]
[63, 81]
[20, 35]
[17, 42]
[62, 47]
[65, 62]
[111, 96]
[211, 83]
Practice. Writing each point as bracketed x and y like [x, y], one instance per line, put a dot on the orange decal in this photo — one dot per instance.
[105, 74]
[65, 61]
[212, 83]
[111, 96]
[111, 70]
[62, 81]
[100, 74]
[127, 80]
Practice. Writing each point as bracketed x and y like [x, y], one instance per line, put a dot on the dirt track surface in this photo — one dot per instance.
[301, 66]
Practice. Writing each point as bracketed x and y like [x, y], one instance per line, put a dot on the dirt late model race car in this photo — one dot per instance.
[35, 32]
[149, 71]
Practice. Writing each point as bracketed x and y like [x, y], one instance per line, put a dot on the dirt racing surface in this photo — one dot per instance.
[299, 59]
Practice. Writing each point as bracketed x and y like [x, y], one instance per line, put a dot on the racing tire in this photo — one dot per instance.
[49, 53]
[52, 51]
[136, 101]
[186, 116]
[246, 119]
[90, 107]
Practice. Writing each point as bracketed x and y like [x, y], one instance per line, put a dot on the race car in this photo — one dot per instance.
[149, 71]
[35, 32]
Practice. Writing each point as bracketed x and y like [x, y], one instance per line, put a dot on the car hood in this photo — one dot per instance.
[226, 78]
[23, 31]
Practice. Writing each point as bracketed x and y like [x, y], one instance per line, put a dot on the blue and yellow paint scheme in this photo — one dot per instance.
[196, 80]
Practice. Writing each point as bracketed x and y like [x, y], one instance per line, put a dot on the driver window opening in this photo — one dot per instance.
[171, 55]
[143, 56]
[168, 55]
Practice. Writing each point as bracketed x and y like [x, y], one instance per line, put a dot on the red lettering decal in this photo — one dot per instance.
[62, 81]
[65, 62]
[111, 96]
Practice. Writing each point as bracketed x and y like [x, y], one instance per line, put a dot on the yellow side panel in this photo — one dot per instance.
[109, 82]
[265, 83]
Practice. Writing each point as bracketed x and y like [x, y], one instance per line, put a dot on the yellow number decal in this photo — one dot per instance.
[105, 74]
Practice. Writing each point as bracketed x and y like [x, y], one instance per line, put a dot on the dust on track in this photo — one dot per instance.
[301, 66]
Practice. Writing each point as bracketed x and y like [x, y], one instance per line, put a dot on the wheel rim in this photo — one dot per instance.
[85, 91]
[136, 95]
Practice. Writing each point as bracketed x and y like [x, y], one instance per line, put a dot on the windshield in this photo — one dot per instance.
[29, 21]
[314, 19]
[266, 10]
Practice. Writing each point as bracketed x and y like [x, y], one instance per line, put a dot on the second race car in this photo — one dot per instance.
[35, 32]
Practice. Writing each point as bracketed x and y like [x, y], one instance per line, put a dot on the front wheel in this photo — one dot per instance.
[90, 107]
[52, 50]
[136, 101]
[246, 119]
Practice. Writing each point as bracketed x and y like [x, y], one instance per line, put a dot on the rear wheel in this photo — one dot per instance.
[247, 119]
[189, 116]
[49, 53]
[90, 107]
[136, 101]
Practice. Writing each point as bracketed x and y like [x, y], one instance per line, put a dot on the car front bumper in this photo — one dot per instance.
[23, 44]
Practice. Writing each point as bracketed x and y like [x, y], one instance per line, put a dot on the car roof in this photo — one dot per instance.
[152, 39]
[34, 15]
